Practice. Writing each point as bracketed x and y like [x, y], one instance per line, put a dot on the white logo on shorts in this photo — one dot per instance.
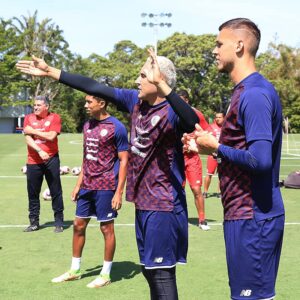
[158, 260]
[246, 293]
[109, 215]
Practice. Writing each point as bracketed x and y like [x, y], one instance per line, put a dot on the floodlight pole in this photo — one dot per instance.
[156, 24]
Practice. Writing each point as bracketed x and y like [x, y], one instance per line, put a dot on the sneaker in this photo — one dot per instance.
[68, 276]
[32, 227]
[100, 281]
[204, 195]
[203, 225]
[58, 229]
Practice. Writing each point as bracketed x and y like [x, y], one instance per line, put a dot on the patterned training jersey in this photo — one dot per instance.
[102, 142]
[156, 168]
[51, 122]
[254, 114]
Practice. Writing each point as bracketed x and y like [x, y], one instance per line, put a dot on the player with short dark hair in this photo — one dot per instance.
[249, 153]
[99, 188]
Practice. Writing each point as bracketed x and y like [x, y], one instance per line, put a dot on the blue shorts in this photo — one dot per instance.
[252, 252]
[162, 238]
[92, 203]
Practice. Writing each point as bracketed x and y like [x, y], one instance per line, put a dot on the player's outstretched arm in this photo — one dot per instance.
[38, 67]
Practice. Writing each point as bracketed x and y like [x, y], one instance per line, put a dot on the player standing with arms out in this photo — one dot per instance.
[156, 166]
[41, 129]
[249, 152]
[99, 188]
[193, 169]
[212, 163]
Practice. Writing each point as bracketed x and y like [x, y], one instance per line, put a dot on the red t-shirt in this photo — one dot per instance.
[51, 122]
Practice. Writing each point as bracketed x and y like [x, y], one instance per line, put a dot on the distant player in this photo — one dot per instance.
[211, 165]
[193, 169]
[99, 188]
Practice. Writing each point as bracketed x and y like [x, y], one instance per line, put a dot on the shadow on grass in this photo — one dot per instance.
[195, 221]
[67, 224]
[120, 270]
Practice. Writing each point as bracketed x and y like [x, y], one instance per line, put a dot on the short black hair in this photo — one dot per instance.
[244, 23]
[183, 93]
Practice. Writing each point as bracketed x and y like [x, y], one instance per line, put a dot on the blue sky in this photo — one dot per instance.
[96, 25]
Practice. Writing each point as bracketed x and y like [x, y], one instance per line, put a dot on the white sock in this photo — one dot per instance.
[106, 267]
[75, 263]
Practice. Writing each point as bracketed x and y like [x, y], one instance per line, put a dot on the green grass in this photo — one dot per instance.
[30, 260]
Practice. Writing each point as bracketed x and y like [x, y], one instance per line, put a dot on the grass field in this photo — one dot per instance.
[28, 261]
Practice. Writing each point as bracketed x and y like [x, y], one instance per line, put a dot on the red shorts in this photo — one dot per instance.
[193, 169]
[211, 165]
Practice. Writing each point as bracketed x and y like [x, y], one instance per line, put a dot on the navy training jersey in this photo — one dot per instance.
[156, 168]
[255, 114]
[102, 141]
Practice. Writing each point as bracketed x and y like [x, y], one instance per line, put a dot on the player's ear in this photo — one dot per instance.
[239, 46]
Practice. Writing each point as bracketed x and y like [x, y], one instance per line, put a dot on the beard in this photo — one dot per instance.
[226, 68]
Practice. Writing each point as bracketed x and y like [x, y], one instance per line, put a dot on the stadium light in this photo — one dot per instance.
[154, 25]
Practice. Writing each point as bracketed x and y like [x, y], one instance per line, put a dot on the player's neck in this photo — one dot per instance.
[242, 70]
[102, 116]
[156, 101]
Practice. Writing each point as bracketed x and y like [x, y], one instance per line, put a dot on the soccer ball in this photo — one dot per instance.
[46, 195]
[64, 170]
[76, 171]
[24, 169]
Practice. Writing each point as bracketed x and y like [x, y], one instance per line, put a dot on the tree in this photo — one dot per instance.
[196, 70]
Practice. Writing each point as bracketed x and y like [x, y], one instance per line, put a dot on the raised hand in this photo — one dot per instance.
[35, 67]
[38, 67]
[153, 73]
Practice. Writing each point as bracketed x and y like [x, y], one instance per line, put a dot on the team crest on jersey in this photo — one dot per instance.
[103, 132]
[47, 123]
[155, 120]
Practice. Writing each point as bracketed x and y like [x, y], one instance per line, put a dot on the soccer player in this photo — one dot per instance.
[99, 187]
[41, 129]
[193, 169]
[211, 164]
[156, 167]
[249, 151]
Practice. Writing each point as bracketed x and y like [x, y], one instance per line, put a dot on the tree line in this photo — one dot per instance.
[210, 91]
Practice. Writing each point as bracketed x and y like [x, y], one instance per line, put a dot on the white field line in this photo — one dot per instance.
[120, 225]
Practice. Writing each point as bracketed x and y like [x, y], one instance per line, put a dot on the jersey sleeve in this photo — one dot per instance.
[26, 121]
[121, 137]
[124, 99]
[255, 115]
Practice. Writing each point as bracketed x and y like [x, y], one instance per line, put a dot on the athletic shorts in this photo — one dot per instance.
[94, 203]
[211, 165]
[252, 252]
[193, 169]
[162, 238]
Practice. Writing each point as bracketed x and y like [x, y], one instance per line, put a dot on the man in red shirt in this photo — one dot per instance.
[211, 165]
[41, 129]
[193, 169]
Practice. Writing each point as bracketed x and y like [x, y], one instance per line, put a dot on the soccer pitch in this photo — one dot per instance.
[30, 260]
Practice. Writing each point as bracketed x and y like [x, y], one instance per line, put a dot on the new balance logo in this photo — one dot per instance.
[246, 293]
[158, 260]
[109, 215]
